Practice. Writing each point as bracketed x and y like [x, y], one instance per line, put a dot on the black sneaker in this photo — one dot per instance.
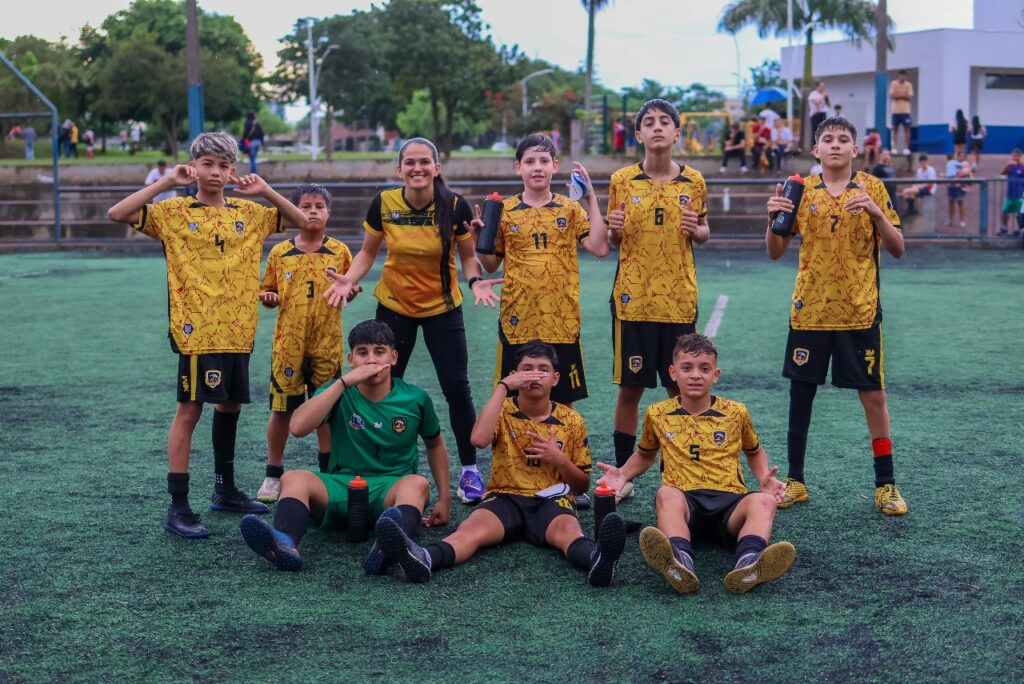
[398, 548]
[610, 543]
[234, 500]
[184, 523]
[583, 501]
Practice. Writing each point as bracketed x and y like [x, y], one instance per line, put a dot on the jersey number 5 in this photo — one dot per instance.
[310, 289]
[695, 452]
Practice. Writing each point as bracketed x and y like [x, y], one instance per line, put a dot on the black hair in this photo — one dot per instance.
[161, 163]
[535, 349]
[961, 122]
[444, 216]
[837, 122]
[312, 189]
[371, 332]
[694, 344]
[902, 71]
[975, 125]
[538, 140]
[660, 105]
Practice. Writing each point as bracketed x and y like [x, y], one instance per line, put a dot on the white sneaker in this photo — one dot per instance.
[906, 152]
[894, 151]
[963, 224]
[743, 169]
[721, 169]
[270, 490]
[627, 492]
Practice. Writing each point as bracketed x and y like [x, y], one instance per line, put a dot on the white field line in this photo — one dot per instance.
[711, 329]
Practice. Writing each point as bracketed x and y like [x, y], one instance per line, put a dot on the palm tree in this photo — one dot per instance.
[855, 18]
[592, 7]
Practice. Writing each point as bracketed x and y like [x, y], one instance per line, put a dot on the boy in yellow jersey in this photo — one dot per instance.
[541, 458]
[213, 246]
[703, 495]
[308, 336]
[843, 219]
[537, 241]
[657, 210]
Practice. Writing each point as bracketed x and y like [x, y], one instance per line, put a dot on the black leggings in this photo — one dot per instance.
[445, 335]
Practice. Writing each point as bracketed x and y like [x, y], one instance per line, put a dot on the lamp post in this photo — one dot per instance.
[789, 66]
[314, 81]
[527, 78]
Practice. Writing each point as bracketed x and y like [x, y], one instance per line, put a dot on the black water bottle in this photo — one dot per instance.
[793, 190]
[604, 503]
[493, 207]
[358, 527]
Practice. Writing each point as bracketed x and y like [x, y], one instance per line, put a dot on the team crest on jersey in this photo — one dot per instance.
[670, 435]
[684, 200]
[514, 320]
[213, 378]
[798, 304]
[634, 200]
[193, 225]
[356, 422]
[378, 424]
[514, 229]
[399, 425]
[813, 208]
[289, 372]
[395, 215]
[801, 356]
[719, 437]
[586, 441]
[239, 227]
[636, 363]
[562, 223]
[187, 328]
[624, 298]
[288, 276]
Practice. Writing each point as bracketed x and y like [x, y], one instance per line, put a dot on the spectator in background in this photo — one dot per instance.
[122, 135]
[136, 136]
[885, 171]
[872, 145]
[734, 146]
[977, 140]
[760, 139]
[158, 172]
[73, 138]
[817, 106]
[556, 138]
[901, 93]
[89, 138]
[957, 167]
[252, 135]
[1014, 172]
[925, 172]
[782, 142]
[769, 115]
[618, 138]
[959, 129]
[838, 111]
[28, 136]
[64, 138]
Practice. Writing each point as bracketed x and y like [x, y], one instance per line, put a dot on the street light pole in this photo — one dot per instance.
[523, 84]
[193, 70]
[314, 126]
[789, 66]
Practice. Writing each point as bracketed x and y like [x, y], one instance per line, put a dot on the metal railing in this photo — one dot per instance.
[736, 209]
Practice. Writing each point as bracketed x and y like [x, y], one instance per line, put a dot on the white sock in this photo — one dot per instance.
[468, 468]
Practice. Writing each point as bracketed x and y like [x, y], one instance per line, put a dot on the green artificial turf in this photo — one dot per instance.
[96, 590]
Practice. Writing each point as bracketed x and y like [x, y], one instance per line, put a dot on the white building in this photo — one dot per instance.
[980, 71]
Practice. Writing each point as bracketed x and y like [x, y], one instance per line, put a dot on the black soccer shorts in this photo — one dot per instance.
[572, 379]
[857, 357]
[710, 511]
[213, 378]
[527, 517]
[643, 351]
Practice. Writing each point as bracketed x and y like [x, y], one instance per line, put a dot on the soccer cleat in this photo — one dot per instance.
[770, 564]
[661, 557]
[889, 500]
[270, 490]
[583, 501]
[628, 491]
[471, 488]
[906, 152]
[398, 548]
[375, 563]
[610, 543]
[274, 545]
[796, 492]
[234, 500]
[184, 523]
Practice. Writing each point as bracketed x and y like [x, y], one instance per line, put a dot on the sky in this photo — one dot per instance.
[671, 41]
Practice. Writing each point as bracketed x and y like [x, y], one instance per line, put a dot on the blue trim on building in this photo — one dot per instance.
[936, 139]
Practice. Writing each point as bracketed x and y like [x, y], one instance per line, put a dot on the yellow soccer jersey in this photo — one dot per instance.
[700, 452]
[540, 299]
[306, 325]
[213, 269]
[837, 281]
[512, 470]
[656, 280]
[415, 280]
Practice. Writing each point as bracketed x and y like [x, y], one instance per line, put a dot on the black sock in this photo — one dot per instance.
[292, 518]
[225, 425]
[801, 400]
[275, 471]
[412, 518]
[177, 487]
[683, 551]
[750, 544]
[323, 459]
[624, 443]
[581, 553]
[882, 449]
[442, 555]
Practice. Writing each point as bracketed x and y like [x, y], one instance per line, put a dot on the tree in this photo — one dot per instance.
[767, 75]
[592, 7]
[854, 18]
[417, 120]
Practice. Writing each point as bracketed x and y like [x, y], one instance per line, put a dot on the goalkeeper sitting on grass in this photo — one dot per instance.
[540, 460]
[702, 495]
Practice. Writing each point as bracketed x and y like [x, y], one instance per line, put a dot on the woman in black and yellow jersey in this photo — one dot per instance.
[423, 224]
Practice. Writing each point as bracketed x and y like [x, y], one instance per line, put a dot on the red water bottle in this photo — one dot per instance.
[493, 206]
[793, 190]
[358, 527]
